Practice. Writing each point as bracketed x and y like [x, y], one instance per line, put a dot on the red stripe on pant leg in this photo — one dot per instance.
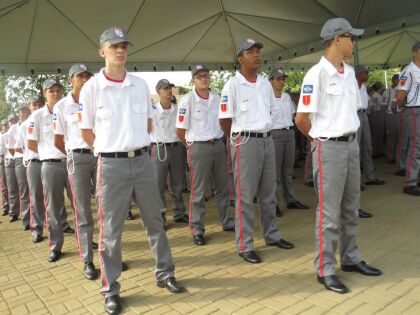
[321, 256]
[308, 152]
[31, 211]
[239, 195]
[46, 215]
[101, 262]
[413, 146]
[192, 188]
[228, 167]
[398, 158]
[76, 216]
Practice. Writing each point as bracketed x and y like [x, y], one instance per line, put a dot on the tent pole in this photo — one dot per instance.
[386, 81]
[356, 55]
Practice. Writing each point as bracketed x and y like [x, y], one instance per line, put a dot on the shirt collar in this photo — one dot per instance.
[243, 80]
[160, 108]
[104, 82]
[331, 70]
[199, 99]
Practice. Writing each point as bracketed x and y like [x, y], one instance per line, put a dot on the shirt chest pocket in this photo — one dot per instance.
[71, 119]
[335, 90]
[46, 129]
[198, 113]
[163, 121]
[104, 113]
[138, 108]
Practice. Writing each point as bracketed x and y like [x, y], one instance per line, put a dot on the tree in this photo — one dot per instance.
[182, 90]
[4, 109]
[20, 88]
[218, 80]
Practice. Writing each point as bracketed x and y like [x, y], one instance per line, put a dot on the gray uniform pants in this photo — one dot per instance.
[231, 183]
[308, 164]
[377, 127]
[365, 144]
[20, 170]
[284, 147]
[337, 182]
[80, 182]
[403, 143]
[33, 173]
[54, 179]
[174, 165]
[118, 180]
[206, 159]
[254, 169]
[4, 191]
[392, 121]
[411, 120]
[13, 187]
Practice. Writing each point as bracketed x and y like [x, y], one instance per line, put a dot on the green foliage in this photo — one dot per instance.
[218, 80]
[294, 81]
[20, 88]
[182, 90]
[378, 76]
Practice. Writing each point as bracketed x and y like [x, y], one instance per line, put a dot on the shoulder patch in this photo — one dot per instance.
[307, 89]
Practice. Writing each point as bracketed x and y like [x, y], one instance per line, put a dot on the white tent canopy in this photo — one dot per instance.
[45, 36]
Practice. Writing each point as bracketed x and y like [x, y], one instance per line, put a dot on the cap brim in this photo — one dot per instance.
[49, 86]
[80, 72]
[198, 70]
[117, 41]
[357, 31]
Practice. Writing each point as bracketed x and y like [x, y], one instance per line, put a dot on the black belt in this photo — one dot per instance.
[83, 151]
[123, 155]
[209, 141]
[288, 128]
[53, 160]
[362, 110]
[412, 106]
[342, 138]
[253, 134]
[168, 144]
[35, 160]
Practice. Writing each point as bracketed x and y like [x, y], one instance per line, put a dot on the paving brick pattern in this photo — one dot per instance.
[218, 281]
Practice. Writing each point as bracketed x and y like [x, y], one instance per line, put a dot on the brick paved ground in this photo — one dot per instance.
[218, 281]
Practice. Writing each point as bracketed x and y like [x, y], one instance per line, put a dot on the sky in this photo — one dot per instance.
[176, 77]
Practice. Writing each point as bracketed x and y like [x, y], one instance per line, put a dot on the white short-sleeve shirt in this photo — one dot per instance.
[117, 112]
[164, 124]
[66, 123]
[199, 117]
[21, 142]
[3, 144]
[331, 99]
[364, 97]
[410, 82]
[12, 139]
[282, 112]
[40, 129]
[248, 104]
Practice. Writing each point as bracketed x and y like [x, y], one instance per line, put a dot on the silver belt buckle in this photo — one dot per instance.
[265, 134]
[131, 154]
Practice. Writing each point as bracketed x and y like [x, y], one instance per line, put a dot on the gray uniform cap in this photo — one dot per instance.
[49, 83]
[361, 68]
[416, 46]
[114, 35]
[338, 26]
[277, 73]
[35, 98]
[78, 68]
[162, 84]
[197, 68]
[12, 117]
[247, 44]
[4, 122]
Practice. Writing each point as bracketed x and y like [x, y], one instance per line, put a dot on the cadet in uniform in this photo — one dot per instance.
[10, 166]
[408, 89]
[198, 129]
[81, 164]
[392, 120]
[329, 85]
[4, 192]
[20, 169]
[114, 118]
[40, 139]
[33, 173]
[284, 141]
[167, 152]
[245, 116]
